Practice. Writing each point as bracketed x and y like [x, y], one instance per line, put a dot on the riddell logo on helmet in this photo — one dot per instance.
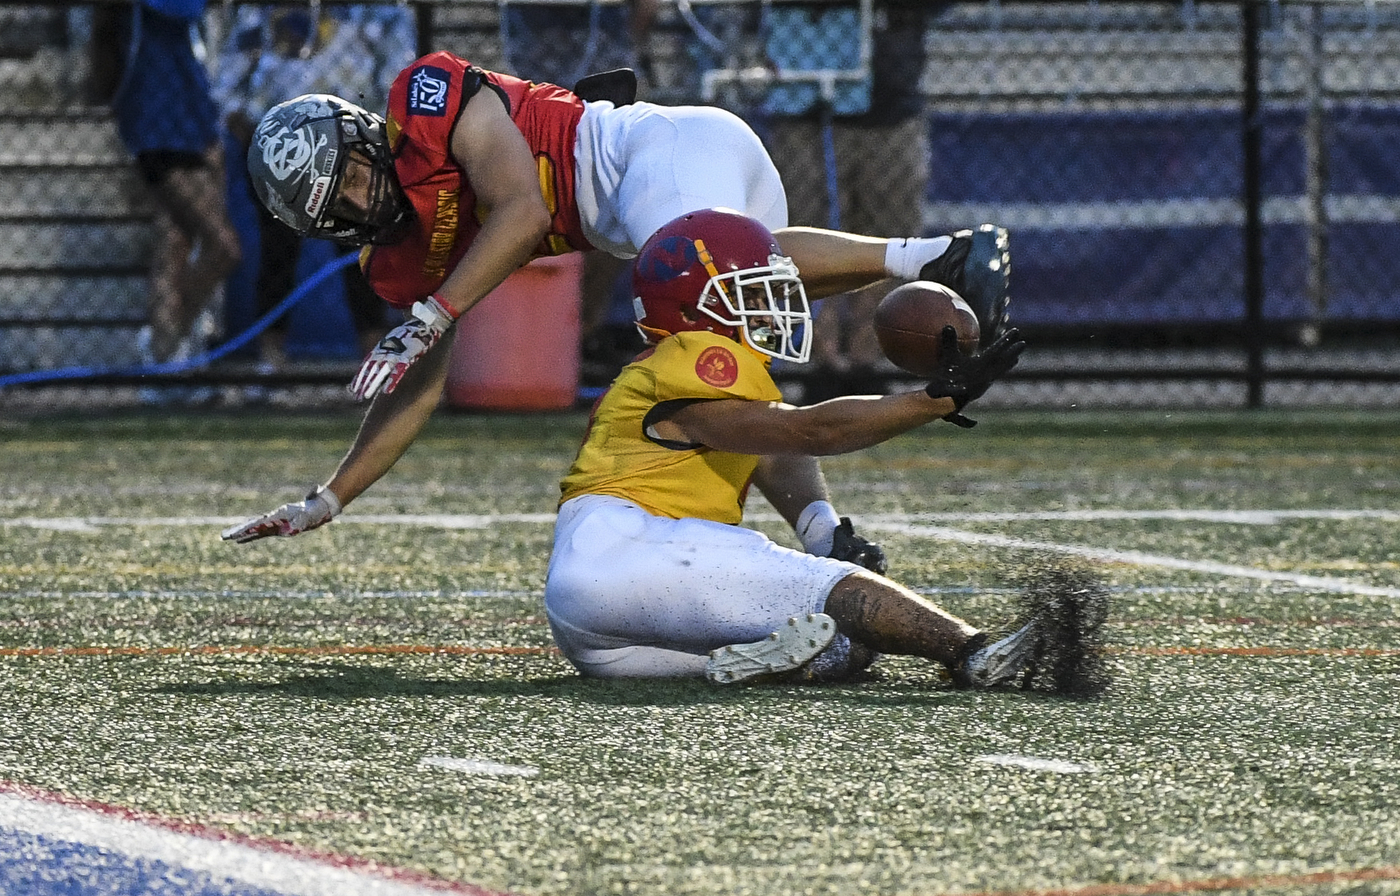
[320, 187]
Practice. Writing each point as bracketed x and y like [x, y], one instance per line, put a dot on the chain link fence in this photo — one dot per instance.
[1110, 138]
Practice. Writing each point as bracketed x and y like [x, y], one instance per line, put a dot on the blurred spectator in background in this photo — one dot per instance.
[880, 174]
[149, 53]
[563, 42]
[275, 52]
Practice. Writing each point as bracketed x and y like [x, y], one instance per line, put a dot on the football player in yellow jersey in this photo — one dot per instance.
[650, 575]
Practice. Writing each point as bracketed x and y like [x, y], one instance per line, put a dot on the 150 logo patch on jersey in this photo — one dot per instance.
[427, 91]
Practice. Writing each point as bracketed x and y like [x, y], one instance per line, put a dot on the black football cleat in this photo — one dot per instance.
[977, 266]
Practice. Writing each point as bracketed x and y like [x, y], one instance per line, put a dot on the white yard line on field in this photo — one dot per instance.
[439, 520]
[278, 593]
[917, 525]
[484, 520]
[1036, 764]
[479, 767]
[1245, 517]
[1135, 558]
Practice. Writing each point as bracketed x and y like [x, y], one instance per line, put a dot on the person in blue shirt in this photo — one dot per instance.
[166, 117]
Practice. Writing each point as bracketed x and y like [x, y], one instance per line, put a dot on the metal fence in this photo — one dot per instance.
[1203, 196]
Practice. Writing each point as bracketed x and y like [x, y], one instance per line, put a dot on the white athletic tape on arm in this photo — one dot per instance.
[816, 526]
[329, 497]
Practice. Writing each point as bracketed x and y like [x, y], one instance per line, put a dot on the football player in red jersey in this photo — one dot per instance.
[652, 577]
[473, 173]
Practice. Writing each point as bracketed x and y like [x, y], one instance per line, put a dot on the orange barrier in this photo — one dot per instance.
[518, 349]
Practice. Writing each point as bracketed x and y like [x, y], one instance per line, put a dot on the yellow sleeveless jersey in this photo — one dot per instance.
[665, 478]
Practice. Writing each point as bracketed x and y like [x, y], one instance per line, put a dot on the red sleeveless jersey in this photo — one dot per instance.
[424, 104]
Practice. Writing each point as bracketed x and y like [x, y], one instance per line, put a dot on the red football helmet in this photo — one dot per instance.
[721, 271]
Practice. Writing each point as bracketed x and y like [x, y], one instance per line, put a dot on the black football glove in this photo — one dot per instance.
[847, 545]
[965, 378]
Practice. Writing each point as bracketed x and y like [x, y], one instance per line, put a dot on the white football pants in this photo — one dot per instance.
[641, 166]
[632, 595]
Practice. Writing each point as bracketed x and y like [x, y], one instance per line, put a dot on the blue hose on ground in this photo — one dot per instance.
[78, 373]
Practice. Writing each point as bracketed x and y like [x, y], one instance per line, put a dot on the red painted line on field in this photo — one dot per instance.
[1258, 622]
[1209, 884]
[337, 860]
[240, 649]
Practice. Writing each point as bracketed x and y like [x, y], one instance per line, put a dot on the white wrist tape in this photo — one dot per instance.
[435, 313]
[815, 527]
[325, 494]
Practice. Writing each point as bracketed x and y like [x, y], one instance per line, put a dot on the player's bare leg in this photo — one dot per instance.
[975, 263]
[167, 261]
[889, 618]
[194, 198]
[832, 262]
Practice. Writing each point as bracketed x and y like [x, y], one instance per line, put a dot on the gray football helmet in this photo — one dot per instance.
[296, 160]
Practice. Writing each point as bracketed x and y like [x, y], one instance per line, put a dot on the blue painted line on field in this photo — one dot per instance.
[303, 290]
[36, 865]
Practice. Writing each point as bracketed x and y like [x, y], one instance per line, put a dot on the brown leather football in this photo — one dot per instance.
[909, 323]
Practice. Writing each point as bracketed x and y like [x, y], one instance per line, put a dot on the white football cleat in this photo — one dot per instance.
[784, 650]
[1001, 662]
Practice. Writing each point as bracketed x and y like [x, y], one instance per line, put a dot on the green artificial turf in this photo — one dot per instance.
[290, 689]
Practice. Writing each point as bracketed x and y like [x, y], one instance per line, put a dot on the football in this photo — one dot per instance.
[909, 324]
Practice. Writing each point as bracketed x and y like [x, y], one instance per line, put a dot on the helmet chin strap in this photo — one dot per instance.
[389, 212]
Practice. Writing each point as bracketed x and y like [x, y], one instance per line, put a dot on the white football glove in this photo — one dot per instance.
[389, 361]
[319, 508]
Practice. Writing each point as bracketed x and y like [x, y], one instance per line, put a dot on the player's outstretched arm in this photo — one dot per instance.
[842, 425]
[837, 426]
[389, 428]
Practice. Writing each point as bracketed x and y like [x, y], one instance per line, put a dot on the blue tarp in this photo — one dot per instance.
[1084, 269]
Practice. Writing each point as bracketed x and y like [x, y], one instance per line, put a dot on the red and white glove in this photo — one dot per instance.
[384, 366]
[319, 508]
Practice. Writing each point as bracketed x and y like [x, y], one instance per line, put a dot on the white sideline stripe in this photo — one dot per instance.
[451, 520]
[484, 520]
[1138, 558]
[479, 767]
[440, 520]
[222, 859]
[1248, 517]
[313, 592]
[1039, 765]
[906, 524]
